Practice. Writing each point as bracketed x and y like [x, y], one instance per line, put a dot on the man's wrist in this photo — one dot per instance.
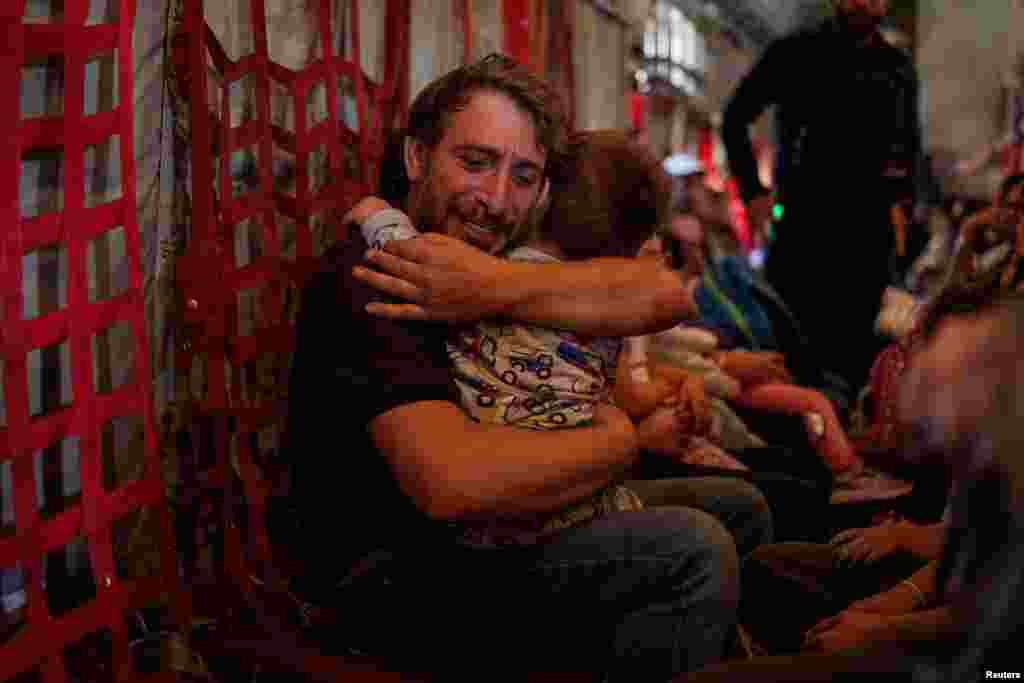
[516, 284]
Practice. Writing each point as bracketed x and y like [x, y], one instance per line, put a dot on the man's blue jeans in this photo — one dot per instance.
[639, 596]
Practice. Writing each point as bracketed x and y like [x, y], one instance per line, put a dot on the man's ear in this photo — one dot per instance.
[415, 155]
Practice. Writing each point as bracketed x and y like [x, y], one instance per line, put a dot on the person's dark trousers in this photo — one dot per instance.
[789, 587]
[830, 264]
[799, 503]
[637, 596]
[806, 668]
[737, 503]
[792, 475]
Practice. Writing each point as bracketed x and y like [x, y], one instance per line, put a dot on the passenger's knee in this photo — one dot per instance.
[717, 558]
[760, 526]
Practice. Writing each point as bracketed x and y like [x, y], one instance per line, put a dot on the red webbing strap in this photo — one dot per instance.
[567, 31]
[42, 639]
[388, 102]
[396, 66]
[516, 22]
[463, 10]
[361, 103]
[325, 37]
[206, 274]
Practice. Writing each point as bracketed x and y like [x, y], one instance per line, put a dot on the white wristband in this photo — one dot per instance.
[386, 225]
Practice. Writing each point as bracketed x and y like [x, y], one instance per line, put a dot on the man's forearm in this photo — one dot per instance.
[454, 468]
[607, 297]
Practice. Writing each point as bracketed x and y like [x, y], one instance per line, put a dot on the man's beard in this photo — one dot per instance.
[430, 213]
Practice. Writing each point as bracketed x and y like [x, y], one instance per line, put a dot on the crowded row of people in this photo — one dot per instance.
[551, 474]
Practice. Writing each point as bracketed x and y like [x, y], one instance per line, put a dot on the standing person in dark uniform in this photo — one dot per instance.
[849, 142]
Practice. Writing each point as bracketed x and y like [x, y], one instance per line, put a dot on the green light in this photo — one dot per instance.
[777, 211]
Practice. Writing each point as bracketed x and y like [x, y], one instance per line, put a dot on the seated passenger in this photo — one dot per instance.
[382, 489]
[540, 378]
[958, 618]
[755, 380]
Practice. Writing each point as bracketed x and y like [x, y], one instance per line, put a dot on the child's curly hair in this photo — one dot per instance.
[615, 197]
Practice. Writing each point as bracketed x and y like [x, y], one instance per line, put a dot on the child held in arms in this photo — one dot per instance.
[540, 378]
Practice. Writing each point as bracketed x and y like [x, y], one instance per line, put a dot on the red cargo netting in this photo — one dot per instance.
[71, 418]
[268, 192]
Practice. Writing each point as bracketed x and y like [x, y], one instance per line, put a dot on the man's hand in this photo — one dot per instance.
[753, 368]
[844, 631]
[759, 215]
[440, 278]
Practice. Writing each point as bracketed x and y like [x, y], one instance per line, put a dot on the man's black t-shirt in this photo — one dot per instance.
[350, 367]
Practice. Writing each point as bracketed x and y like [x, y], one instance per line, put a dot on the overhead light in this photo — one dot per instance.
[682, 164]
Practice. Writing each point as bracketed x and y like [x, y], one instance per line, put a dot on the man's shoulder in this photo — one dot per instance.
[340, 257]
[332, 276]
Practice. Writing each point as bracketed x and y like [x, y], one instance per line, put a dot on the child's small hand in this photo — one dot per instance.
[363, 209]
[660, 431]
[693, 408]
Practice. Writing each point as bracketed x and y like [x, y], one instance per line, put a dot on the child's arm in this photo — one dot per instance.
[752, 368]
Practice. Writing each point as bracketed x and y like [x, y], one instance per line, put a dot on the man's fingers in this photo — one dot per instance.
[397, 311]
[388, 284]
[430, 247]
[395, 264]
